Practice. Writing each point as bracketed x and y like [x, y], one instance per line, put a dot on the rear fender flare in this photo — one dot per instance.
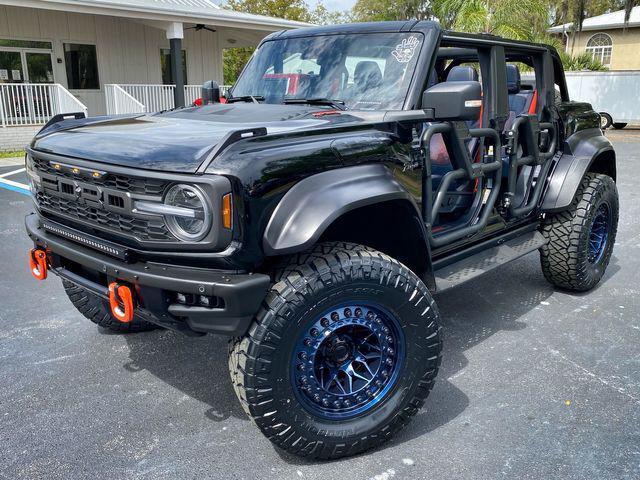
[581, 150]
[314, 203]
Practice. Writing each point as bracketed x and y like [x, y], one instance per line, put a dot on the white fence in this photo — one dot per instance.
[148, 98]
[120, 102]
[24, 104]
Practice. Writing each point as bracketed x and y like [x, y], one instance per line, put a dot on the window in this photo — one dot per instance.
[365, 71]
[599, 47]
[82, 66]
[165, 65]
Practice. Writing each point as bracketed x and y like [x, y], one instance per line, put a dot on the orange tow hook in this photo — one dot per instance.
[121, 302]
[38, 263]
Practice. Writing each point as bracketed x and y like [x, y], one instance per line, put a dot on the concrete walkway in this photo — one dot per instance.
[7, 162]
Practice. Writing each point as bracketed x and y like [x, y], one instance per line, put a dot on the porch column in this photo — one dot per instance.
[175, 34]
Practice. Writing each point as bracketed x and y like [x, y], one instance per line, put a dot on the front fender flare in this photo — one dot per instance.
[306, 210]
[582, 149]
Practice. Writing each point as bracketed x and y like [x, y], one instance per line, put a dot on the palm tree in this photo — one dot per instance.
[579, 15]
[507, 18]
[580, 10]
[628, 6]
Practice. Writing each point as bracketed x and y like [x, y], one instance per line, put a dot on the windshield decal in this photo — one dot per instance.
[404, 51]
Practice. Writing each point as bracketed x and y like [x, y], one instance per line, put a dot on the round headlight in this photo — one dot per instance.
[192, 218]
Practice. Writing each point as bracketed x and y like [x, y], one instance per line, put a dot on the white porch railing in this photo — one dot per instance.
[149, 98]
[120, 102]
[35, 103]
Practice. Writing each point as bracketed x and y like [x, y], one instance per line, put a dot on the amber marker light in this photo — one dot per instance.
[226, 211]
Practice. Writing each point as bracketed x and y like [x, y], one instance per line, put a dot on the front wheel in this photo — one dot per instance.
[343, 353]
[581, 238]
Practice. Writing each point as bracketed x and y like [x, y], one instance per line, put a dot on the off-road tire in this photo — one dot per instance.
[619, 125]
[259, 362]
[97, 310]
[564, 258]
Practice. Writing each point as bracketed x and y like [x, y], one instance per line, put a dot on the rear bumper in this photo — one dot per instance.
[156, 285]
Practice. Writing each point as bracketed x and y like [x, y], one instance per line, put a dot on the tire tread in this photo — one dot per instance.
[296, 277]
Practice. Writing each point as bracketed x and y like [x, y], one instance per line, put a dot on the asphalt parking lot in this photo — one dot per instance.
[535, 383]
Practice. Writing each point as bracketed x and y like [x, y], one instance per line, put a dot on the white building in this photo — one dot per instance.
[111, 56]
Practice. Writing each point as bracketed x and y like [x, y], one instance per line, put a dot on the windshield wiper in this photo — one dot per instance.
[337, 104]
[246, 98]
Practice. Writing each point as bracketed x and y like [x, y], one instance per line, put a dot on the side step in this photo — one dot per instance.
[485, 261]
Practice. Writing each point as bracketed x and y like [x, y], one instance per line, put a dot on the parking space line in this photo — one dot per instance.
[14, 186]
[8, 174]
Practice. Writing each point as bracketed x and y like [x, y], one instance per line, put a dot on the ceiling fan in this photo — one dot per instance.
[199, 26]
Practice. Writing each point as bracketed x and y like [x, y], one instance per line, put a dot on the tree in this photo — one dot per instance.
[382, 10]
[288, 9]
[520, 20]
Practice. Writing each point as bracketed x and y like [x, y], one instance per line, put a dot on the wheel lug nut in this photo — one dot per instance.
[370, 315]
[324, 322]
[347, 403]
[347, 312]
[335, 317]
[385, 373]
[302, 355]
[300, 366]
[336, 404]
[389, 339]
[314, 332]
[307, 342]
[325, 402]
[358, 312]
[390, 351]
[369, 393]
[304, 380]
[389, 361]
[378, 383]
[385, 329]
[316, 397]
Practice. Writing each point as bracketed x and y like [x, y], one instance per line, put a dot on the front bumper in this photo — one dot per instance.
[157, 284]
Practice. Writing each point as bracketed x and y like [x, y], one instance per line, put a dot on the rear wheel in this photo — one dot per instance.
[343, 353]
[581, 238]
[619, 125]
[97, 310]
[606, 120]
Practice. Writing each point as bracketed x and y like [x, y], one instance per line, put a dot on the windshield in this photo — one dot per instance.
[363, 72]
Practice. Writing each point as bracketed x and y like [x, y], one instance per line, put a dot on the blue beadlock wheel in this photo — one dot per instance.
[599, 233]
[347, 361]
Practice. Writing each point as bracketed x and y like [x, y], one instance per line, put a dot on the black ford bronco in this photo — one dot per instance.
[352, 172]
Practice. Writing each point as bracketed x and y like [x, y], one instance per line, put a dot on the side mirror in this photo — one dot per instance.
[210, 92]
[453, 101]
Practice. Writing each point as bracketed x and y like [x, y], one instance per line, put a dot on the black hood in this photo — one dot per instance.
[176, 141]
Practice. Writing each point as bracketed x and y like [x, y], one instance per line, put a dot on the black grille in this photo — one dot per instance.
[139, 185]
[143, 229]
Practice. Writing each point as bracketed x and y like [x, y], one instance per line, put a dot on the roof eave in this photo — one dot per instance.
[222, 18]
[585, 28]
